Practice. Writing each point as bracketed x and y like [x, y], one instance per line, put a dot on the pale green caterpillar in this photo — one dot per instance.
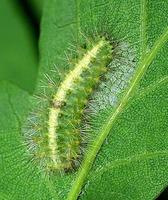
[56, 137]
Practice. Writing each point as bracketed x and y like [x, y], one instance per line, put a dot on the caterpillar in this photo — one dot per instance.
[53, 133]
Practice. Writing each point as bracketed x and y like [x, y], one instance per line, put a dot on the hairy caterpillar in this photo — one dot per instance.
[53, 133]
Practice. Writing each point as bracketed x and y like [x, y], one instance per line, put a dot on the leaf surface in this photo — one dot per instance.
[129, 158]
[134, 140]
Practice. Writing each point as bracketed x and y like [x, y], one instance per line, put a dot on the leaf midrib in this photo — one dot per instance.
[145, 61]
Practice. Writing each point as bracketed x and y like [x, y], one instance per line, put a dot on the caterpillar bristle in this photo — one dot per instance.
[59, 129]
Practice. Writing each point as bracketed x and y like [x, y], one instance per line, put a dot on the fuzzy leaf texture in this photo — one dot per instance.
[128, 155]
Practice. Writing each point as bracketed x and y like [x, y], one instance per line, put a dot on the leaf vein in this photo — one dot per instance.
[128, 160]
[95, 147]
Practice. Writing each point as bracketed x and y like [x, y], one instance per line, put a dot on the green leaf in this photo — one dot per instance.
[18, 58]
[128, 158]
[19, 179]
[129, 129]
